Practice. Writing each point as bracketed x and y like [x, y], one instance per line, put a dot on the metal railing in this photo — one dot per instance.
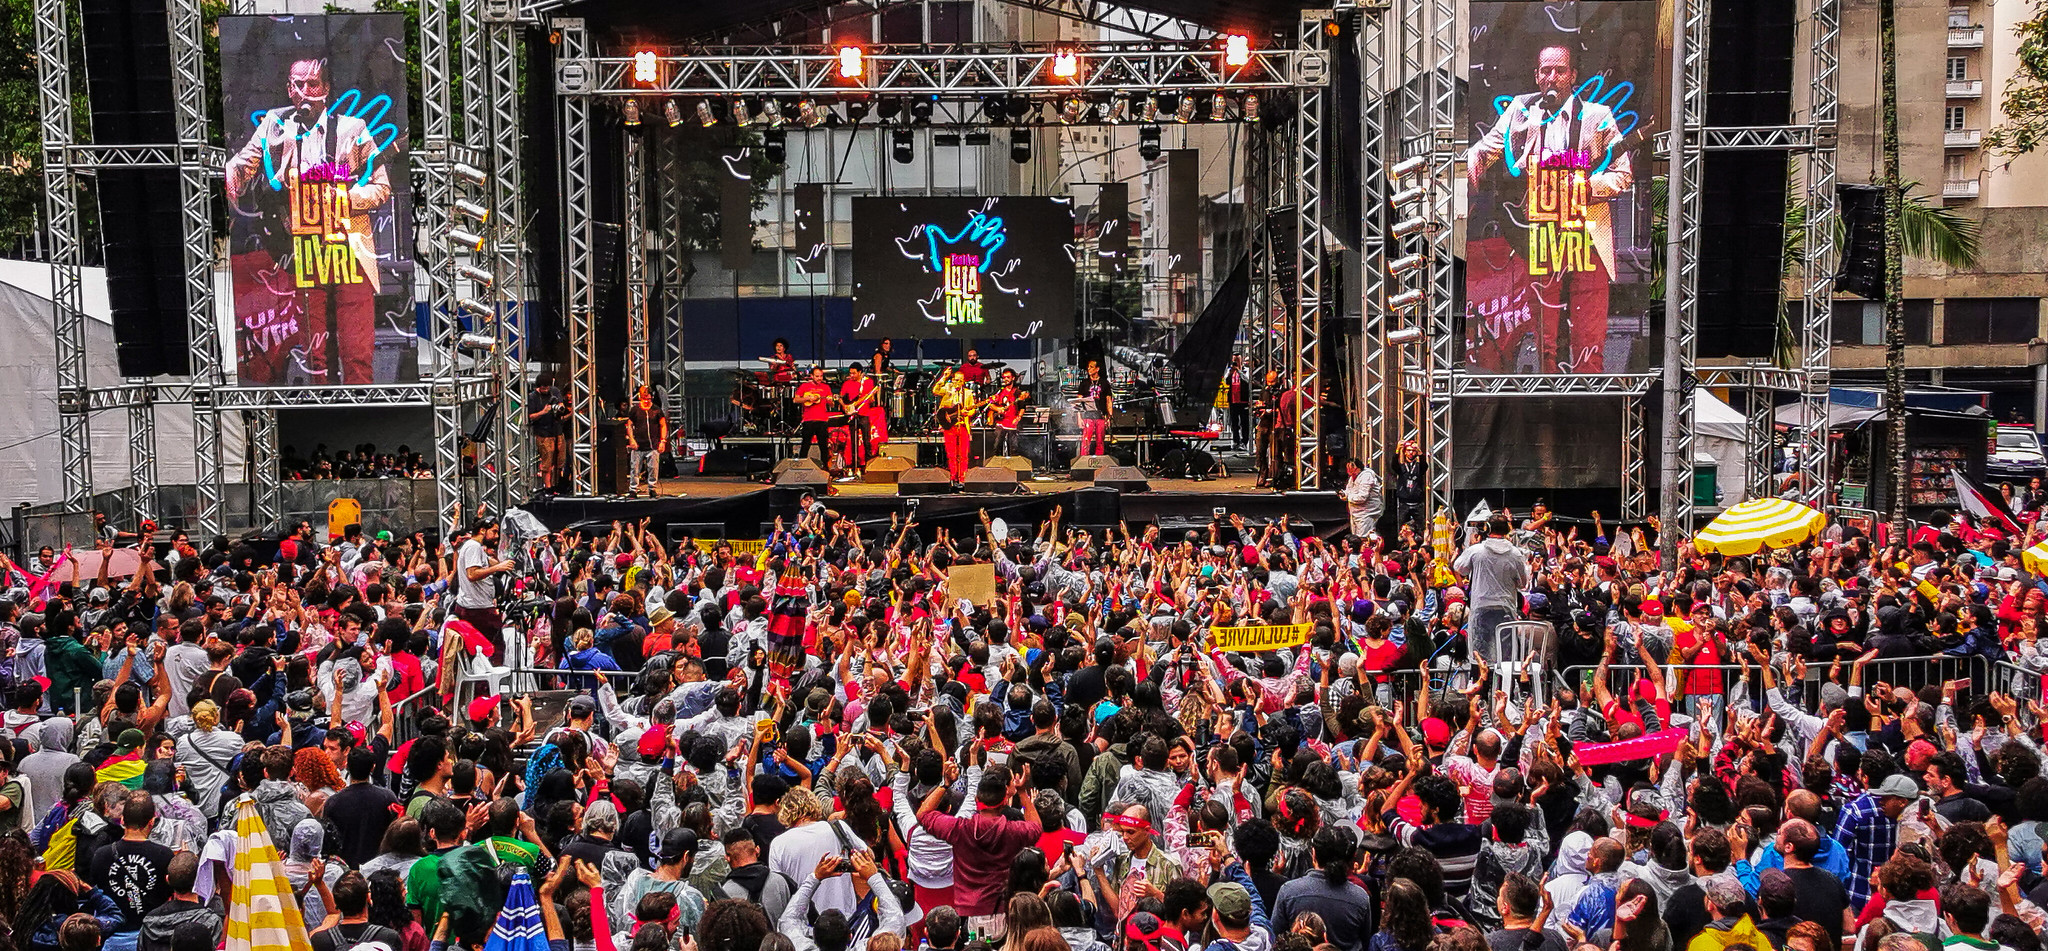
[1913, 672]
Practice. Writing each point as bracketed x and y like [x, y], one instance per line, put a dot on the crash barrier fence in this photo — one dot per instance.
[1685, 681]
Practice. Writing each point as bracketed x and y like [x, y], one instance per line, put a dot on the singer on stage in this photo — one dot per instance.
[956, 420]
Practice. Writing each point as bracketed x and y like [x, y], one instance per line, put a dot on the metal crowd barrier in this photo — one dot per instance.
[1913, 672]
[2018, 680]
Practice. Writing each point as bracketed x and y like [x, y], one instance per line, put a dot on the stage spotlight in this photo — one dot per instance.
[1403, 265]
[1237, 50]
[1020, 146]
[1406, 195]
[771, 114]
[471, 174]
[1408, 226]
[808, 113]
[466, 239]
[672, 112]
[1185, 112]
[1020, 108]
[478, 212]
[856, 110]
[481, 277]
[1408, 167]
[740, 111]
[1404, 335]
[1119, 110]
[1065, 65]
[1148, 143]
[477, 343]
[476, 308]
[705, 117]
[899, 146]
[852, 64]
[1218, 109]
[887, 109]
[632, 110]
[921, 112]
[646, 68]
[774, 143]
[1070, 111]
[1250, 112]
[1405, 299]
[996, 108]
[1149, 112]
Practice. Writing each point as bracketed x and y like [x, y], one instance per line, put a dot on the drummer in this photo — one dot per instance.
[972, 371]
[882, 360]
[781, 363]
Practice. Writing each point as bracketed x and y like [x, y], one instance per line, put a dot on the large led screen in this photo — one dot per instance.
[975, 268]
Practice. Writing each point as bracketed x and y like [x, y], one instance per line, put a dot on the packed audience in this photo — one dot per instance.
[822, 746]
[360, 462]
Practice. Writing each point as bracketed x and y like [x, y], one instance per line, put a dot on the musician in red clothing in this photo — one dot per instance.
[1007, 406]
[971, 369]
[861, 397]
[815, 396]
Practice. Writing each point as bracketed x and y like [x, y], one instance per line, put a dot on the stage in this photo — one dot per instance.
[742, 508]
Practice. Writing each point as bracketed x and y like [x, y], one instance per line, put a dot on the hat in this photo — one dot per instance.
[288, 549]
[1435, 731]
[1144, 929]
[1231, 900]
[131, 740]
[355, 728]
[2008, 574]
[1122, 821]
[483, 708]
[653, 741]
[99, 596]
[300, 700]
[384, 536]
[1896, 786]
[582, 705]
[1653, 608]
[660, 614]
[1832, 695]
[623, 560]
[148, 525]
[677, 843]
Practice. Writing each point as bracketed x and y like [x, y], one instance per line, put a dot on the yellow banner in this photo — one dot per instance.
[1263, 638]
[740, 546]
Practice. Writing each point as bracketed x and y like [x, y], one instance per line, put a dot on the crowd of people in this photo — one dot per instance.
[1247, 737]
[358, 462]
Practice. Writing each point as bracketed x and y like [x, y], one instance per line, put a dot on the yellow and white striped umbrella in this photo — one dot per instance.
[1757, 524]
[263, 915]
[2036, 559]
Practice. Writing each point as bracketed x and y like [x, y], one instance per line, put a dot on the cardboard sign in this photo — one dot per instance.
[1265, 637]
[976, 583]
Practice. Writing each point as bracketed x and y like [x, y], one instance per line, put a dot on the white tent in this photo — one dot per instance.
[31, 460]
[1719, 432]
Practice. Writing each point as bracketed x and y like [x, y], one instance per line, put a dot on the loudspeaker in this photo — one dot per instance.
[1749, 65]
[1862, 211]
[1122, 479]
[728, 462]
[924, 482]
[1187, 463]
[613, 464]
[990, 479]
[1102, 507]
[899, 450]
[883, 470]
[1084, 467]
[735, 216]
[1113, 224]
[1741, 265]
[1017, 464]
[128, 79]
[802, 477]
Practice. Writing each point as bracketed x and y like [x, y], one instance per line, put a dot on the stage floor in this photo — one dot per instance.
[716, 487]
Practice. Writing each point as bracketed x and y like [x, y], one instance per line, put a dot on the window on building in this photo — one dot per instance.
[1861, 322]
[1954, 119]
[1957, 68]
[1991, 320]
[1955, 168]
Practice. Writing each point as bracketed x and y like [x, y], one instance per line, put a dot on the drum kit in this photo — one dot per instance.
[769, 407]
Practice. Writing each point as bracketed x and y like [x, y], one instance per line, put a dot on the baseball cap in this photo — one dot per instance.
[1653, 607]
[677, 843]
[384, 536]
[1435, 731]
[582, 705]
[483, 708]
[301, 700]
[1231, 900]
[653, 741]
[99, 596]
[2008, 574]
[131, 740]
[1896, 786]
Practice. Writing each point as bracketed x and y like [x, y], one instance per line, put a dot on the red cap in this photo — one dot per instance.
[1605, 561]
[654, 741]
[483, 708]
[1436, 732]
[1653, 607]
[622, 561]
[356, 729]
[288, 549]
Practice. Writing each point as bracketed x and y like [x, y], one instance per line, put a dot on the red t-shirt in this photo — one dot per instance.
[853, 390]
[1384, 657]
[1009, 407]
[817, 395]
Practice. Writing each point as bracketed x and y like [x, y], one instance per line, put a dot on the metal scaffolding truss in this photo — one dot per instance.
[1305, 328]
[1015, 68]
[1104, 13]
[493, 130]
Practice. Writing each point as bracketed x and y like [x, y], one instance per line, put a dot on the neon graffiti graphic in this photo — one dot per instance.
[963, 289]
[979, 267]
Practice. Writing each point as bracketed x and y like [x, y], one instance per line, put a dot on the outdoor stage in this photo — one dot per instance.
[738, 507]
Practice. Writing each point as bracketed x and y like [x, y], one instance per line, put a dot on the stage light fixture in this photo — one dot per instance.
[1403, 265]
[1404, 335]
[1020, 146]
[1149, 111]
[776, 145]
[475, 211]
[1405, 299]
[808, 113]
[899, 146]
[1185, 112]
[1148, 143]
[482, 277]
[856, 110]
[1219, 108]
[475, 342]
[1237, 49]
[477, 308]
[996, 108]
[1065, 65]
[921, 112]
[887, 109]
[852, 63]
[1408, 226]
[1020, 108]
[632, 111]
[1119, 110]
[1406, 195]
[646, 68]
[1070, 111]
[672, 112]
[1408, 167]
[467, 239]
[1250, 112]
[771, 114]
[471, 174]
[740, 111]
[705, 117]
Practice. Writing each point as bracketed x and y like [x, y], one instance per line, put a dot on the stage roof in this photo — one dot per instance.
[712, 20]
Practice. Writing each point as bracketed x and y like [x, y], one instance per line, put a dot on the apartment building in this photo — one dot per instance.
[1964, 328]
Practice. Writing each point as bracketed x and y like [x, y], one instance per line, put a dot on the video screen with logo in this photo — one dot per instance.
[975, 268]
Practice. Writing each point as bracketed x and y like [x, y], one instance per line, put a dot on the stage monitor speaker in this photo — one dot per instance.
[1113, 227]
[1017, 464]
[728, 462]
[1099, 507]
[1742, 261]
[735, 215]
[899, 450]
[1085, 467]
[1122, 479]
[794, 462]
[1187, 463]
[802, 477]
[924, 482]
[990, 480]
[883, 470]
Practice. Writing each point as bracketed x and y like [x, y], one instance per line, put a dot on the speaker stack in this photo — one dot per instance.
[1122, 479]
[1085, 467]
[990, 480]
[924, 482]
[884, 470]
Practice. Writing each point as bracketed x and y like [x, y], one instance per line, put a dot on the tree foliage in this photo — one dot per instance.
[2025, 101]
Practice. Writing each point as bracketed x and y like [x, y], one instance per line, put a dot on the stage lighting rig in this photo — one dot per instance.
[1218, 108]
[1070, 111]
[1020, 108]
[775, 144]
[479, 276]
[1119, 110]
[852, 62]
[672, 112]
[1185, 112]
[1408, 167]
[809, 114]
[1149, 110]
[1403, 265]
[1408, 226]
[1405, 335]
[1237, 49]
[705, 117]
[1250, 112]
[899, 146]
[1066, 64]
[632, 113]
[476, 308]
[466, 239]
[921, 112]
[996, 108]
[476, 212]
[771, 114]
[646, 67]
[469, 173]
[1020, 146]
[856, 110]
[1148, 142]
[476, 342]
[1405, 299]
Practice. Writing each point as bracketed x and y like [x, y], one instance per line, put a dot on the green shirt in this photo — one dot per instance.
[423, 887]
